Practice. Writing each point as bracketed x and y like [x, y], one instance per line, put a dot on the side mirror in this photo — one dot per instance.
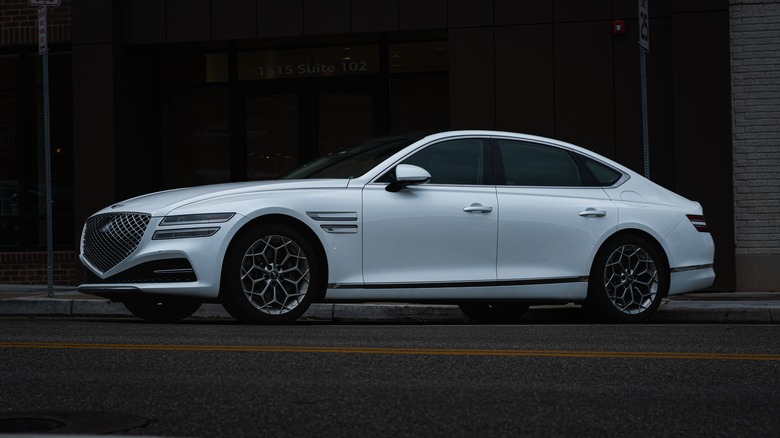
[407, 175]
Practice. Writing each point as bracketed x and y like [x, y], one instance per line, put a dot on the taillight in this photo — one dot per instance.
[698, 222]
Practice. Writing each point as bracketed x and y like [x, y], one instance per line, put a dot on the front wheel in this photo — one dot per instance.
[628, 280]
[271, 275]
[162, 310]
[493, 313]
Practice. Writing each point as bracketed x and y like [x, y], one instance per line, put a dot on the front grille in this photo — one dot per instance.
[110, 238]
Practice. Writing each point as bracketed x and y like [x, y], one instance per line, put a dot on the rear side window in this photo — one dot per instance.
[532, 164]
[604, 175]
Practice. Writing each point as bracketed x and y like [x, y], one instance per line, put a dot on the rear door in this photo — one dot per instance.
[551, 221]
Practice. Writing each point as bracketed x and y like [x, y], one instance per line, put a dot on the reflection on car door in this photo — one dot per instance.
[441, 232]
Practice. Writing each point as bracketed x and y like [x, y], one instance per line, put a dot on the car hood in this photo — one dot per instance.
[161, 203]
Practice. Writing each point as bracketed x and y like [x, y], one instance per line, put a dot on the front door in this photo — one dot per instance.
[443, 232]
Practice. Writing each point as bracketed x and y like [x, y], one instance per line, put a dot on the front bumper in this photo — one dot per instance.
[187, 267]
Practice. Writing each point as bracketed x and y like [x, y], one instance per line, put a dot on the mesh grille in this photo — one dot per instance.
[111, 238]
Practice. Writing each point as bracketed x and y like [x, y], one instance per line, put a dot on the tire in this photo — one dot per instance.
[162, 310]
[271, 275]
[493, 313]
[628, 280]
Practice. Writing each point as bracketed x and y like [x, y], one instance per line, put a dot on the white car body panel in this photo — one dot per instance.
[437, 293]
[531, 215]
[163, 203]
[422, 234]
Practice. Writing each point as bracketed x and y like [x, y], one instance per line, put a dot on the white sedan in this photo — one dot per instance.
[490, 221]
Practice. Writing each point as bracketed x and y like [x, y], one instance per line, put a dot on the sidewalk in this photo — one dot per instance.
[707, 307]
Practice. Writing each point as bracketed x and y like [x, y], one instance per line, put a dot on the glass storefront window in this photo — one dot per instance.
[9, 169]
[288, 121]
[345, 119]
[271, 136]
[216, 67]
[194, 68]
[22, 175]
[196, 137]
[61, 143]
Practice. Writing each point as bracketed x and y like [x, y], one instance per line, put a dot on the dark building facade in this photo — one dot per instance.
[22, 177]
[172, 93]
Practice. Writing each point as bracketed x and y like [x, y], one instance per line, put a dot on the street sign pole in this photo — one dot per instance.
[43, 49]
[644, 48]
[645, 128]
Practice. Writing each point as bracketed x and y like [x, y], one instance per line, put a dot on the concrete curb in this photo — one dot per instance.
[317, 312]
[671, 312]
[732, 315]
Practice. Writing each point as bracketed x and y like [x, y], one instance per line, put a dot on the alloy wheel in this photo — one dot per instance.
[631, 279]
[275, 274]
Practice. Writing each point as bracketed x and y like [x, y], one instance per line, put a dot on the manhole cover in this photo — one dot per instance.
[68, 422]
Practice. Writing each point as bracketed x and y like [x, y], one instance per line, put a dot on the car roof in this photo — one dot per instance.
[529, 137]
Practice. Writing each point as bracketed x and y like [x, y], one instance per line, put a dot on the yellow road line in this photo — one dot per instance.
[396, 351]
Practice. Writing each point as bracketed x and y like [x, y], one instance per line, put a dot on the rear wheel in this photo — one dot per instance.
[628, 280]
[167, 309]
[271, 275]
[493, 313]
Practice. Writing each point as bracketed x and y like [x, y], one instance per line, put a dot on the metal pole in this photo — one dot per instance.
[47, 160]
[645, 129]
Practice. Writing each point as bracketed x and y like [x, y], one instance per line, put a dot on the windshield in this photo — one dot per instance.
[354, 161]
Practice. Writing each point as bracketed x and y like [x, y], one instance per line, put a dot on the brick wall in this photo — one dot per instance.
[755, 72]
[30, 268]
[20, 23]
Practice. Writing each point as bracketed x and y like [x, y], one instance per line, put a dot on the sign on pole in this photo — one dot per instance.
[644, 26]
[44, 2]
[644, 49]
[43, 37]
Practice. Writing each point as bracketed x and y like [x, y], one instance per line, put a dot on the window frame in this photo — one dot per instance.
[488, 164]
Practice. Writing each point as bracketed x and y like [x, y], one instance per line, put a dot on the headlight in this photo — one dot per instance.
[192, 219]
[184, 233]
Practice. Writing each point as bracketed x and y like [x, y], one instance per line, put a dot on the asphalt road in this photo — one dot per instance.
[208, 378]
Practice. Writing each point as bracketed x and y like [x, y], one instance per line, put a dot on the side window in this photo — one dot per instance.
[460, 162]
[604, 175]
[531, 164]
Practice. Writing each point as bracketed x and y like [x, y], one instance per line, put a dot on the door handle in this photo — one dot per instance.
[478, 208]
[592, 212]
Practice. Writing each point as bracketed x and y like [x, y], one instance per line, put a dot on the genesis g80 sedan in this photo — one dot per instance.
[490, 221]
